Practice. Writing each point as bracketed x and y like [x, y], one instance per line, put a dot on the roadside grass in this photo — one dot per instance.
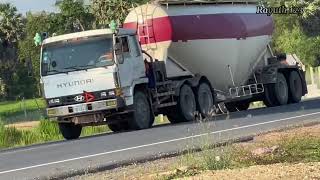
[258, 104]
[46, 131]
[293, 149]
[10, 108]
[290, 150]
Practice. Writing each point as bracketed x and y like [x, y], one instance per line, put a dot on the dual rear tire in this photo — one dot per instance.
[185, 108]
[189, 103]
[284, 91]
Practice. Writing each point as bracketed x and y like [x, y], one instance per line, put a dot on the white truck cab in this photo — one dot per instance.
[89, 74]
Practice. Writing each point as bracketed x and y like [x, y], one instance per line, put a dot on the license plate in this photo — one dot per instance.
[79, 109]
[111, 103]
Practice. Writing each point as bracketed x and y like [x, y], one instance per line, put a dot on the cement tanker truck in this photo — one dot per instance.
[173, 58]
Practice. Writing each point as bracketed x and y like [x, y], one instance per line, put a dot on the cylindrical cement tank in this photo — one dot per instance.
[215, 40]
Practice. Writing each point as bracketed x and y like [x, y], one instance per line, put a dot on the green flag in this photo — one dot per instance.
[113, 25]
[37, 39]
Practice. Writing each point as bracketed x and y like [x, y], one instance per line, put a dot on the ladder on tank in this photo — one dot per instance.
[146, 28]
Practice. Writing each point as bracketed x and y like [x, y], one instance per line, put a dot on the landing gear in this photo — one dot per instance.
[70, 131]
[184, 111]
[277, 94]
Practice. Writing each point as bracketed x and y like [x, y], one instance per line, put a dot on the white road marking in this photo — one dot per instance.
[157, 143]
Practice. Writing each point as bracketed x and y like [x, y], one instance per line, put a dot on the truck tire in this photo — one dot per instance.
[295, 87]
[269, 97]
[277, 94]
[238, 106]
[184, 111]
[204, 99]
[119, 126]
[142, 117]
[70, 131]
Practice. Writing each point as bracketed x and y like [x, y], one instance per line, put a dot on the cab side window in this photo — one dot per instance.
[125, 45]
[135, 46]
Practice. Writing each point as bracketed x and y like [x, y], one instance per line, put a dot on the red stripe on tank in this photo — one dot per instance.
[212, 26]
[160, 30]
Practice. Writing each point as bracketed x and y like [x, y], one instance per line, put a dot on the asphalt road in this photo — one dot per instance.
[106, 150]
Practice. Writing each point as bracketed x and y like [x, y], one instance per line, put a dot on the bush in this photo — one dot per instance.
[9, 136]
[46, 131]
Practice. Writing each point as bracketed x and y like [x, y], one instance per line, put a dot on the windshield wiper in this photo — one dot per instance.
[73, 67]
[88, 66]
[53, 70]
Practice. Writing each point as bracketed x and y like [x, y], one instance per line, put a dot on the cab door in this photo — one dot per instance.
[124, 61]
[130, 61]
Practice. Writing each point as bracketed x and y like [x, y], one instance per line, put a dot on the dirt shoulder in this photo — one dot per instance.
[278, 165]
[25, 125]
[266, 172]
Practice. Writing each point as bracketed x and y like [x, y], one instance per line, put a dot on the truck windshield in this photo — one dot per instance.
[74, 55]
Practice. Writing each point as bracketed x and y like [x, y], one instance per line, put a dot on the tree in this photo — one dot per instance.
[11, 28]
[107, 10]
[298, 34]
[75, 15]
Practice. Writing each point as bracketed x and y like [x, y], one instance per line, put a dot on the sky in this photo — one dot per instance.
[24, 6]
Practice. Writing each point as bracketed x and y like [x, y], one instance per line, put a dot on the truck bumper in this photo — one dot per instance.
[85, 108]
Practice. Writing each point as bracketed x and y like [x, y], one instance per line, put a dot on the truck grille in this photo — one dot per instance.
[72, 99]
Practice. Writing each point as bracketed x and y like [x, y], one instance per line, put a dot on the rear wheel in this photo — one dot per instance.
[70, 131]
[295, 87]
[185, 108]
[142, 117]
[277, 94]
[204, 99]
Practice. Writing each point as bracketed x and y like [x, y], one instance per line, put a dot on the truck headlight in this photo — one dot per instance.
[54, 101]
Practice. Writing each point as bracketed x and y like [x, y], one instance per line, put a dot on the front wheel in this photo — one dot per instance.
[119, 126]
[142, 117]
[70, 131]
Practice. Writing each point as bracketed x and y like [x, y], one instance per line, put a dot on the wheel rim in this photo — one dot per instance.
[187, 103]
[282, 90]
[295, 87]
[142, 112]
[205, 99]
